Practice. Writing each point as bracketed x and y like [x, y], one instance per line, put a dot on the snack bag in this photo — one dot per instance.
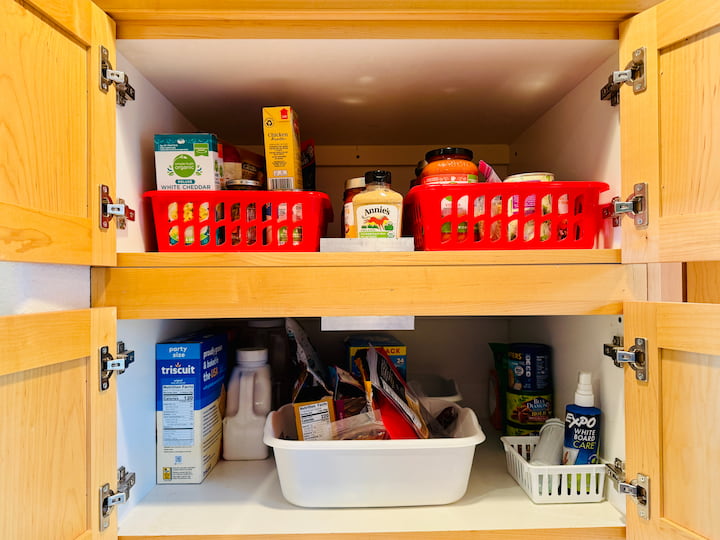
[400, 408]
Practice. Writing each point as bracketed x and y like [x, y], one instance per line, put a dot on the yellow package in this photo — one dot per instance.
[314, 419]
[282, 149]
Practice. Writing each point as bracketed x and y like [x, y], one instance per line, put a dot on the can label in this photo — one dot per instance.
[521, 431]
[524, 408]
[456, 178]
[529, 367]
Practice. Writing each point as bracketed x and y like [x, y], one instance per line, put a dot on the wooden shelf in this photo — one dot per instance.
[217, 285]
[412, 258]
[246, 500]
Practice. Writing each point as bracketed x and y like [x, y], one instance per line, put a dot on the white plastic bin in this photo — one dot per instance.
[552, 483]
[374, 473]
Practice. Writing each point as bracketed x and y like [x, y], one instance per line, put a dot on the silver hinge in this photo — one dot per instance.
[611, 349]
[109, 499]
[633, 74]
[110, 76]
[109, 209]
[636, 205]
[110, 364]
[639, 491]
[616, 472]
[636, 357]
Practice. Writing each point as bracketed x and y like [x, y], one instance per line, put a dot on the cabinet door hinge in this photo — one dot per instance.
[110, 76]
[636, 205]
[109, 499]
[108, 210]
[110, 365]
[635, 357]
[639, 491]
[633, 74]
[616, 472]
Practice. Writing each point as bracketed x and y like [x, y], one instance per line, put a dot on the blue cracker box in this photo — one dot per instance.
[356, 345]
[189, 389]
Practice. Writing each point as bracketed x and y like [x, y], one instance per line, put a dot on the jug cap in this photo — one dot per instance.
[251, 357]
[266, 323]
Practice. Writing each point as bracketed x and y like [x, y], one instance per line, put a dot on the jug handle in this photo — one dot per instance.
[262, 391]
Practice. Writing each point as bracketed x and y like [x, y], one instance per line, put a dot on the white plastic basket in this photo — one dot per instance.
[401, 472]
[552, 483]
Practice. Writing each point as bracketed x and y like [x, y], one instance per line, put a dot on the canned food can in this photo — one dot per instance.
[529, 367]
[517, 430]
[528, 408]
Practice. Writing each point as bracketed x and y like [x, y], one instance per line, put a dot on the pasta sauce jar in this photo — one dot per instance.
[353, 186]
[449, 165]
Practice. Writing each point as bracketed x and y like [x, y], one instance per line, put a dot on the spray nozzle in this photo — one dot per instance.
[584, 394]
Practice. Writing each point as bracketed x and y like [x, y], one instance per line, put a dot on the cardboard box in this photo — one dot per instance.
[282, 149]
[190, 375]
[358, 344]
[187, 161]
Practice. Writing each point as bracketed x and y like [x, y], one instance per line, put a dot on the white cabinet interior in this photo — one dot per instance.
[572, 134]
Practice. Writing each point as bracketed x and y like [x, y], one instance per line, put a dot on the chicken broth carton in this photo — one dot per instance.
[282, 149]
[187, 161]
[190, 372]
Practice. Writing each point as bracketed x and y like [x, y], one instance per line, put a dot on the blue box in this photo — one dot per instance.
[358, 344]
[189, 383]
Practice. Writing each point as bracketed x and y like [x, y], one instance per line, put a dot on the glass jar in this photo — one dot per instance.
[449, 165]
[247, 184]
[353, 186]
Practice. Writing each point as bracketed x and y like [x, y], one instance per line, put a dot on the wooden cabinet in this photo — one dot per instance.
[57, 441]
[61, 441]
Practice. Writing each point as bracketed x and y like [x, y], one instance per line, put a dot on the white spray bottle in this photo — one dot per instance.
[582, 425]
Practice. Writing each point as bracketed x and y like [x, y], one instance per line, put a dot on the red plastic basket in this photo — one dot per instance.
[522, 215]
[207, 221]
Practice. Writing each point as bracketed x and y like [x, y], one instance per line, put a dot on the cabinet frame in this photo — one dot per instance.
[510, 20]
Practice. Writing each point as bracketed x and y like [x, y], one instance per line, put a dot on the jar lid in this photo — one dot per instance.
[242, 183]
[449, 151]
[358, 181]
[251, 357]
[378, 177]
[531, 177]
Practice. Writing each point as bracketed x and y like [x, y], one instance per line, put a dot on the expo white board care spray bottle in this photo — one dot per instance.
[582, 428]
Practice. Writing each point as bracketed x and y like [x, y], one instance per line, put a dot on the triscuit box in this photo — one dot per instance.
[283, 166]
[187, 161]
[190, 372]
[356, 345]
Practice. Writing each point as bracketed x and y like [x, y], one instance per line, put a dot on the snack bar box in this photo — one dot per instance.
[360, 473]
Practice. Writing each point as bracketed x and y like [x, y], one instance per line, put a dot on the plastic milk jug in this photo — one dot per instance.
[248, 404]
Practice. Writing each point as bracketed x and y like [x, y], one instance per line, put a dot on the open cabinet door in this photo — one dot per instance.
[670, 132]
[57, 132]
[672, 420]
[57, 437]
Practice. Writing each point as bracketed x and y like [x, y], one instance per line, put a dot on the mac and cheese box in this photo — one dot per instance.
[190, 375]
[187, 161]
